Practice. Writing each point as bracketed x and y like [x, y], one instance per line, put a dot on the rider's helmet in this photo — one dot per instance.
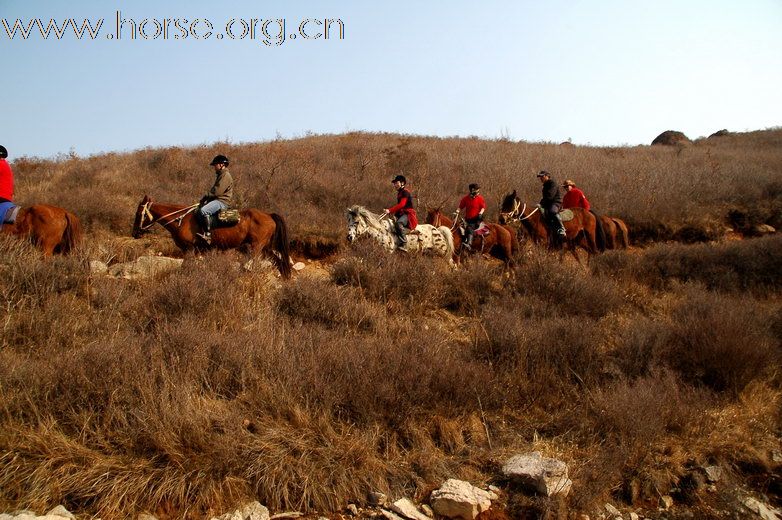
[3, 152]
[399, 178]
[219, 159]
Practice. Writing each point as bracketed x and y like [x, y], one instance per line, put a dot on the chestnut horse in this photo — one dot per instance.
[617, 236]
[500, 242]
[580, 230]
[53, 229]
[257, 231]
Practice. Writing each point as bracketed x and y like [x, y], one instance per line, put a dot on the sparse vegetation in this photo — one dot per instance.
[185, 393]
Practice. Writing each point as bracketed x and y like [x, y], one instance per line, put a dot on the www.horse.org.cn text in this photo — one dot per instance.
[269, 32]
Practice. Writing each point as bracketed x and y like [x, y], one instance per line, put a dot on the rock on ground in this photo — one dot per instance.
[407, 509]
[459, 499]
[145, 267]
[548, 476]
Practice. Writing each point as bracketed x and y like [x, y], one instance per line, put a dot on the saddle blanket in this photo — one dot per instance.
[564, 215]
[482, 230]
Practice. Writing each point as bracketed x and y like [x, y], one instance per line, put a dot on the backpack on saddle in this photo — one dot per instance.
[227, 218]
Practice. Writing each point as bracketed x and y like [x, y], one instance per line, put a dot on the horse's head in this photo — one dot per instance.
[144, 218]
[353, 216]
[434, 216]
[509, 207]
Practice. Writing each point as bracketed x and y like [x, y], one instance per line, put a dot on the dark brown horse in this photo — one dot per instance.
[500, 242]
[617, 236]
[257, 231]
[581, 229]
[53, 229]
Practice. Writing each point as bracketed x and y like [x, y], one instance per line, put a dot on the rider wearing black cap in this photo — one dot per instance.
[552, 203]
[218, 198]
[404, 211]
[474, 206]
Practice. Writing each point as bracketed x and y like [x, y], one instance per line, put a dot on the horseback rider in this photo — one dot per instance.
[404, 211]
[574, 197]
[218, 198]
[6, 178]
[474, 206]
[552, 203]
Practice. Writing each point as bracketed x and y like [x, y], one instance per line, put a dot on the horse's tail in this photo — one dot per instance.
[600, 233]
[623, 231]
[282, 246]
[72, 234]
[450, 249]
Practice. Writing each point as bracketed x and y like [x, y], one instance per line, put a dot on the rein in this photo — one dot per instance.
[146, 213]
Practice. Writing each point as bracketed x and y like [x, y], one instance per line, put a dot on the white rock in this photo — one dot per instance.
[614, 512]
[547, 476]
[60, 511]
[764, 229]
[352, 510]
[633, 516]
[298, 266]
[254, 511]
[235, 515]
[760, 509]
[459, 499]
[390, 516]
[146, 516]
[287, 514]
[667, 502]
[713, 473]
[98, 267]
[427, 510]
[407, 509]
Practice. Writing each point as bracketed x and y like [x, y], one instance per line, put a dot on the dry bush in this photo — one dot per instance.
[329, 305]
[749, 265]
[724, 343]
[567, 286]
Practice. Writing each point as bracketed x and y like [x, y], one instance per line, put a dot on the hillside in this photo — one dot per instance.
[185, 394]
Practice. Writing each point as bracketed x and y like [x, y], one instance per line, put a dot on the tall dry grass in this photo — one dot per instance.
[187, 393]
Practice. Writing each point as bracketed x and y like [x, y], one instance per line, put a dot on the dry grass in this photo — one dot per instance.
[187, 393]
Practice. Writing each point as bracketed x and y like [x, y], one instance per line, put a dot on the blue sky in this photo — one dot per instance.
[603, 73]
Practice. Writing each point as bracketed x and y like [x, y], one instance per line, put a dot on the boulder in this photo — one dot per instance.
[671, 138]
[254, 511]
[145, 267]
[720, 133]
[547, 476]
[459, 499]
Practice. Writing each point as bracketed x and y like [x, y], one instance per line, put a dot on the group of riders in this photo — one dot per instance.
[472, 207]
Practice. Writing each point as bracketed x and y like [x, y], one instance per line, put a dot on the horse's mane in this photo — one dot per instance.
[371, 218]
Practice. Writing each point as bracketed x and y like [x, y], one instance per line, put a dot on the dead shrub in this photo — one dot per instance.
[569, 287]
[723, 343]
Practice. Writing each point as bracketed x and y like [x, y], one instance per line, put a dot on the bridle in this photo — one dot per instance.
[516, 214]
[147, 214]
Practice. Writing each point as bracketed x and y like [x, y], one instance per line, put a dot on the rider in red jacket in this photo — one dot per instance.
[474, 206]
[6, 178]
[574, 197]
[404, 211]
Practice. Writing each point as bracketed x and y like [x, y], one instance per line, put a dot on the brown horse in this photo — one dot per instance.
[53, 229]
[580, 230]
[257, 231]
[617, 236]
[500, 243]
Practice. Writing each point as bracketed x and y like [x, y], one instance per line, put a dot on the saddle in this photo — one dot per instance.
[564, 215]
[8, 212]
